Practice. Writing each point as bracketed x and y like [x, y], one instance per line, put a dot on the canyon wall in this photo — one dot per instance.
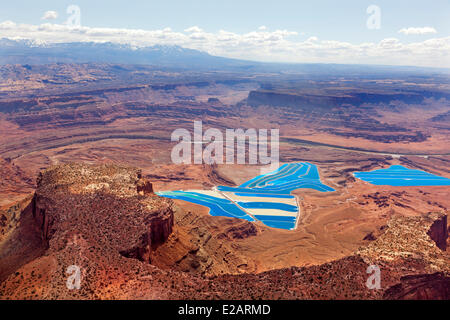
[126, 199]
[439, 232]
[297, 98]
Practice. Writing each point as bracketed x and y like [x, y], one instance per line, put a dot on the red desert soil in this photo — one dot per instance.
[14, 182]
[331, 226]
[108, 121]
[130, 243]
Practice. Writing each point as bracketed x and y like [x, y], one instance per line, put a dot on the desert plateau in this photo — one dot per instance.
[72, 164]
[157, 159]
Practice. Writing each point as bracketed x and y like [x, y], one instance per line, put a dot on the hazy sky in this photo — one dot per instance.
[394, 32]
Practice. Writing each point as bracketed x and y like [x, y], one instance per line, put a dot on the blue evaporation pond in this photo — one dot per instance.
[265, 195]
[268, 205]
[277, 184]
[401, 176]
[279, 224]
[218, 206]
[283, 181]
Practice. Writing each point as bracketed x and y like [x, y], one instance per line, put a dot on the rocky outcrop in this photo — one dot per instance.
[420, 287]
[20, 237]
[215, 177]
[160, 230]
[439, 232]
[93, 217]
[213, 100]
[287, 99]
[443, 117]
[348, 114]
[298, 98]
[68, 194]
[91, 229]
[144, 186]
[14, 182]
[408, 238]
[241, 231]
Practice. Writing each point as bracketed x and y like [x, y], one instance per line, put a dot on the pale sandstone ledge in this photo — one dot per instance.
[417, 238]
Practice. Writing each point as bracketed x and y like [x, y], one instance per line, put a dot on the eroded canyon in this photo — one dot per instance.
[88, 127]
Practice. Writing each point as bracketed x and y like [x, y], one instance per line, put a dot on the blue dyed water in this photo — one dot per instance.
[276, 218]
[265, 195]
[284, 180]
[218, 207]
[279, 224]
[401, 176]
[268, 205]
[277, 184]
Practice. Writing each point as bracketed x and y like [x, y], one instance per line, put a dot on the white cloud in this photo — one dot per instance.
[262, 28]
[193, 29]
[50, 15]
[312, 39]
[418, 31]
[390, 43]
[261, 45]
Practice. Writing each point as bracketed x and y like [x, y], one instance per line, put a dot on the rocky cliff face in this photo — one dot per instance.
[410, 238]
[439, 232]
[93, 217]
[335, 113]
[294, 98]
[144, 186]
[290, 99]
[68, 194]
[420, 287]
[14, 182]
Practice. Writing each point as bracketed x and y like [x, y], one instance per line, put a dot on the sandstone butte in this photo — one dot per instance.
[107, 220]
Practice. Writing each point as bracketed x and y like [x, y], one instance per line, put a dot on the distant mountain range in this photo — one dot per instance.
[28, 52]
[31, 52]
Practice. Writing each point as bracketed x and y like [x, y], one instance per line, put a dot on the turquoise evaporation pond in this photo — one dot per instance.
[401, 176]
[277, 184]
